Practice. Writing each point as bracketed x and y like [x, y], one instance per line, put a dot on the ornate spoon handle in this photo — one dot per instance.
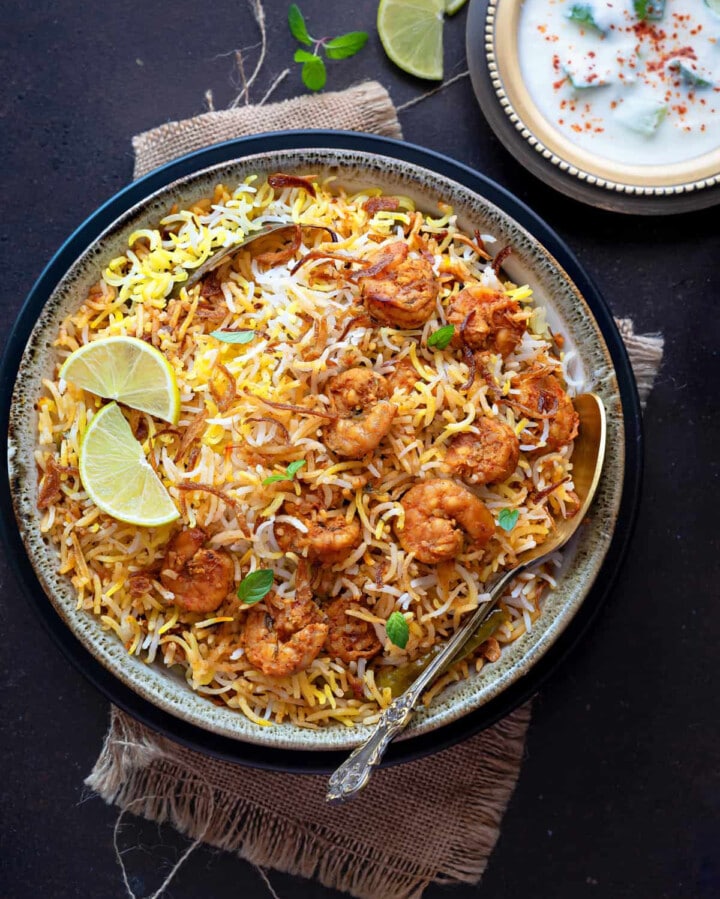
[355, 771]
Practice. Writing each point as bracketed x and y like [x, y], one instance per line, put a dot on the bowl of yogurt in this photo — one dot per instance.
[622, 96]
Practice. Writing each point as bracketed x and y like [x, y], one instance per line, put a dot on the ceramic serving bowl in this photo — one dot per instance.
[529, 263]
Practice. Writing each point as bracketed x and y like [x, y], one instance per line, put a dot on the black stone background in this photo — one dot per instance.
[618, 795]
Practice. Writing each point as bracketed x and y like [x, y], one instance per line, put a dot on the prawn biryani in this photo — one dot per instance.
[352, 425]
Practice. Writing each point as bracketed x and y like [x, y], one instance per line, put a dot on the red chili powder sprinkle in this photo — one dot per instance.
[657, 65]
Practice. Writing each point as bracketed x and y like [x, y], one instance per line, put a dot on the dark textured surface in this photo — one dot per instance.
[619, 794]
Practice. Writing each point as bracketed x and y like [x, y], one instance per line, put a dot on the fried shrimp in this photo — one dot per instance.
[199, 578]
[486, 319]
[329, 537]
[360, 396]
[487, 457]
[349, 638]
[287, 637]
[541, 396]
[403, 377]
[441, 519]
[267, 651]
[404, 293]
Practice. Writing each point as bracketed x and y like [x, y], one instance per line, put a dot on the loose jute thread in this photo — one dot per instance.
[143, 800]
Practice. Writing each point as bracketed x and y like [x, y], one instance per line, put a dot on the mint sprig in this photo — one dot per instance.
[314, 73]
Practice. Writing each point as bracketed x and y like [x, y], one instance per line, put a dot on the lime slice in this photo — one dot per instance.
[411, 34]
[452, 6]
[128, 370]
[118, 477]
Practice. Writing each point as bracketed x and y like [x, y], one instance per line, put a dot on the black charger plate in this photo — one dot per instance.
[321, 761]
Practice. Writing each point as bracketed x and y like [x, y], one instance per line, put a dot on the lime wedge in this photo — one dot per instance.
[128, 370]
[452, 6]
[118, 477]
[411, 34]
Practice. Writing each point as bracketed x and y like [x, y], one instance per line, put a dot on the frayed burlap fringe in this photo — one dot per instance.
[439, 821]
[365, 107]
[645, 352]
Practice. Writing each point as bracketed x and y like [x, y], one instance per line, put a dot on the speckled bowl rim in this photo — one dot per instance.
[598, 172]
[156, 686]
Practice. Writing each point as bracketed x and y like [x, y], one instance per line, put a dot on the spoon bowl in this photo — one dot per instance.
[587, 458]
[219, 256]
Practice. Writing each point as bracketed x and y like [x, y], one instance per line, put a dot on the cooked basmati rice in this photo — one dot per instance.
[238, 446]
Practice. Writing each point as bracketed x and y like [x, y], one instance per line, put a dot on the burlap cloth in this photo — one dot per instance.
[431, 821]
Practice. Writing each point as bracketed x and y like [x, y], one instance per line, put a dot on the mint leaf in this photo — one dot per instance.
[274, 478]
[304, 56]
[396, 627]
[233, 336]
[314, 75]
[290, 472]
[346, 45]
[298, 28]
[442, 337]
[255, 586]
[507, 519]
[294, 467]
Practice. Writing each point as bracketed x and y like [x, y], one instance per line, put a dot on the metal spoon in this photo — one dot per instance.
[212, 262]
[587, 460]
